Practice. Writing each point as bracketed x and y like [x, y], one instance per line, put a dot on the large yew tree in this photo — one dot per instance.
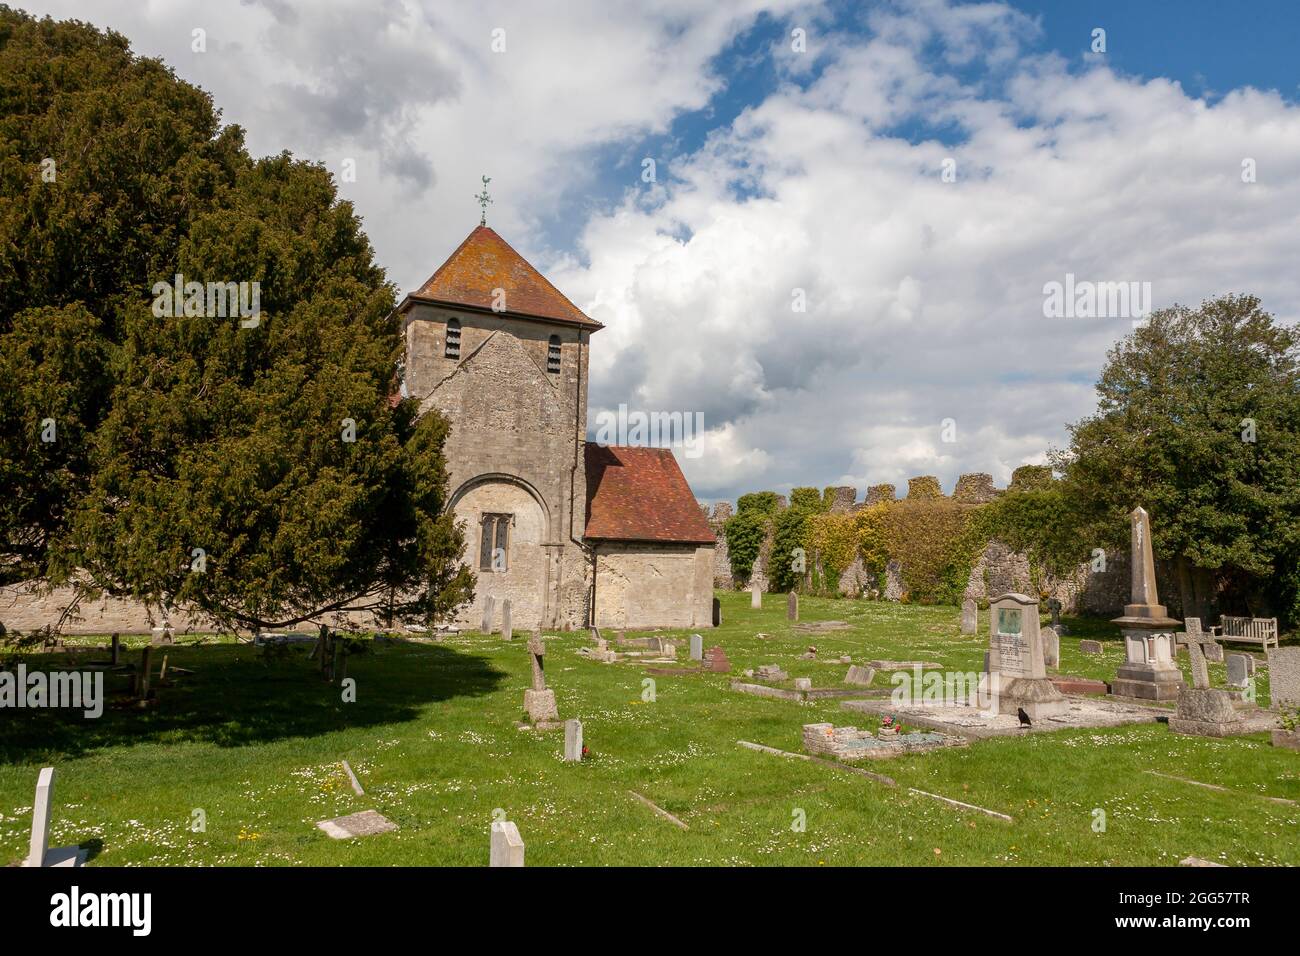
[1198, 421]
[260, 473]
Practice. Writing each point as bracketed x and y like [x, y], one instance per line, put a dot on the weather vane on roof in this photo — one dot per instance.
[483, 200]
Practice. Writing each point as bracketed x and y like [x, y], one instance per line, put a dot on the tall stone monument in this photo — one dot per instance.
[1148, 671]
[1017, 673]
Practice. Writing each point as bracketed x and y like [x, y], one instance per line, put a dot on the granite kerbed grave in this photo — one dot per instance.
[849, 743]
[812, 693]
[977, 723]
[822, 627]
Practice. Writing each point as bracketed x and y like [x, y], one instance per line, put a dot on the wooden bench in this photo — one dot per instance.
[1250, 630]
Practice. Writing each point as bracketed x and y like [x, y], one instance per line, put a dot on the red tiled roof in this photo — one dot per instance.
[484, 262]
[639, 494]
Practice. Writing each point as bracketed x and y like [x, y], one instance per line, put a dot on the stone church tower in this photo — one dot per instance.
[571, 533]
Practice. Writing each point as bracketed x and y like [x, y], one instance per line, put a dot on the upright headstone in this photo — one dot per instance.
[507, 630]
[697, 647]
[1017, 672]
[717, 613]
[146, 673]
[489, 607]
[117, 650]
[1148, 671]
[1051, 647]
[755, 595]
[969, 616]
[1284, 677]
[792, 607]
[1238, 670]
[507, 845]
[573, 740]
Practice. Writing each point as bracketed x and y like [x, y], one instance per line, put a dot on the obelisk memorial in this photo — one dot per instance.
[1148, 671]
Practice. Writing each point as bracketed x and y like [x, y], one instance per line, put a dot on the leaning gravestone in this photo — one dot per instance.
[792, 607]
[539, 701]
[1051, 647]
[755, 595]
[507, 845]
[969, 616]
[39, 852]
[1204, 711]
[697, 647]
[489, 606]
[507, 629]
[1284, 677]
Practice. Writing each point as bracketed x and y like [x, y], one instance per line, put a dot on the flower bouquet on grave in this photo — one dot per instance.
[888, 726]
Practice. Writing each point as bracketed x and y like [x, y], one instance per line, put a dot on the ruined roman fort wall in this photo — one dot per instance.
[996, 570]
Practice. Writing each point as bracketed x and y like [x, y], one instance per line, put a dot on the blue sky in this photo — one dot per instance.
[781, 178]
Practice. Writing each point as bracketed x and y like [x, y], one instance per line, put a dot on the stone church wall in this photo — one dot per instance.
[654, 585]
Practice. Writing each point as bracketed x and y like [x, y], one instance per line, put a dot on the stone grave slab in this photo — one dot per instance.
[363, 823]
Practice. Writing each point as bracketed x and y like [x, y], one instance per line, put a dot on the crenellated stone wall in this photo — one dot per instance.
[996, 570]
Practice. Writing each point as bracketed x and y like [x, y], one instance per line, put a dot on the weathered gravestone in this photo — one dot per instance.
[803, 683]
[717, 613]
[1051, 647]
[1284, 677]
[697, 647]
[489, 607]
[1241, 667]
[573, 740]
[755, 595]
[969, 616]
[1090, 647]
[507, 845]
[539, 701]
[365, 823]
[1054, 609]
[792, 607]
[507, 628]
[1017, 674]
[1148, 671]
[1204, 711]
[39, 852]
[860, 676]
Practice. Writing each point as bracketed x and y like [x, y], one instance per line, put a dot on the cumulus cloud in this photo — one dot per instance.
[924, 298]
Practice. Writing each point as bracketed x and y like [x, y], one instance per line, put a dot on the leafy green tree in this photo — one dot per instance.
[255, 467]
[1198, 421]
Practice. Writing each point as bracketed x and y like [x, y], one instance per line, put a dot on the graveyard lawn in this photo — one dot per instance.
[256, 745]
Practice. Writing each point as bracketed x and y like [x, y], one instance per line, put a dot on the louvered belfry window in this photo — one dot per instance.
[453, 338]
[553, 355]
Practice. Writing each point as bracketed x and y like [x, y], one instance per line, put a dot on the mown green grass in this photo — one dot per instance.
[432, 735]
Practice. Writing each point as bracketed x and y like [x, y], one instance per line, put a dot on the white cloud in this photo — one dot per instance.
[924, 298]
